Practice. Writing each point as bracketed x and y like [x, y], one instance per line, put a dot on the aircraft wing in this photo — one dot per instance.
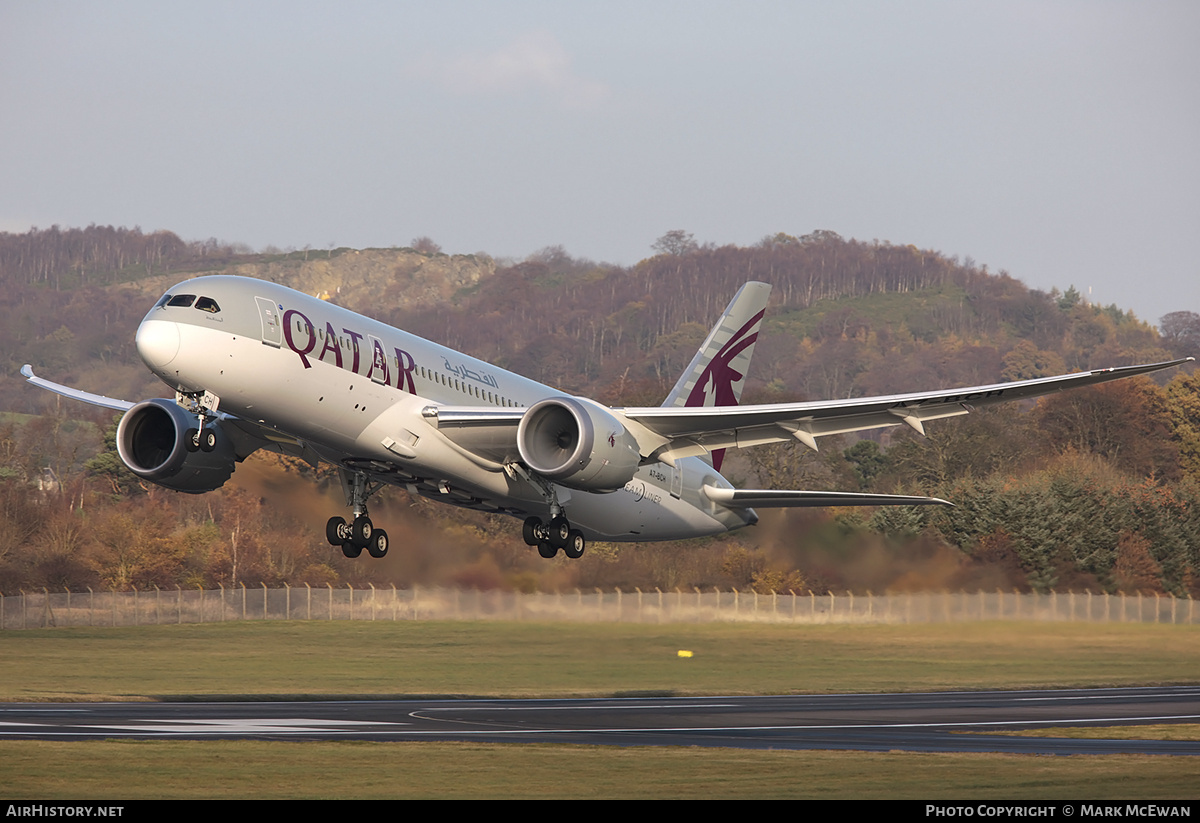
[247, 435]
[697, 430]
[670, 432]
[792, 498]
[75, 394]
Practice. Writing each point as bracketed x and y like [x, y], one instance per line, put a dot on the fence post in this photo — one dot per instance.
[264, 585]
[307, 602]
[178, 605]
[221, 586]
[372, 585]
[330, 585]
[287, 602]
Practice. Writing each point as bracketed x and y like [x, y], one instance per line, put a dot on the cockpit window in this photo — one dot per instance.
[184, 300]
[207, 304]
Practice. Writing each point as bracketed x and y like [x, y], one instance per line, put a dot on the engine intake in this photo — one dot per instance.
[152, 440]
[578, 444]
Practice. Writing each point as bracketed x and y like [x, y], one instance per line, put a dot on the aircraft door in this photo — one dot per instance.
[379, 361]
[272, 331]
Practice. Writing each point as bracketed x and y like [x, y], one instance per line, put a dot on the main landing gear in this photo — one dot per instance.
[359, 533]
[552, 536]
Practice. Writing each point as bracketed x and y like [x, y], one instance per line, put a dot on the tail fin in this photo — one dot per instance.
[716, 375]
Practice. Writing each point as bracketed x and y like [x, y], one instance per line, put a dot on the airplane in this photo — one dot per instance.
[255, 365]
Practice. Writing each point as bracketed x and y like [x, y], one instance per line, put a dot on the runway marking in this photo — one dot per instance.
[281, 725]
[1169, 695]
[297, 726]
[589, 707]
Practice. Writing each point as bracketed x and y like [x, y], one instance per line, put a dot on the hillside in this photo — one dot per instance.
[847, 319]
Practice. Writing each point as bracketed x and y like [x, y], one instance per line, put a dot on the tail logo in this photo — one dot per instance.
[715, 385]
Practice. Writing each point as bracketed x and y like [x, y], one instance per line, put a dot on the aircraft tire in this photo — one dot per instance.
[191, 439]
[530, 530]
[208, 440]
[351, 550]
[560, 532]
[547, 550]
[335, 531]
[575, 545]
[360, 532]
[378, 545]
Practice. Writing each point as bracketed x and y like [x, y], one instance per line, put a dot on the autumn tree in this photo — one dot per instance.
[1180, 331]
[676, 242]
[1126, 421]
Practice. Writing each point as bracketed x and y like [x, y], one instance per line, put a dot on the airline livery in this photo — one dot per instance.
[255, 365]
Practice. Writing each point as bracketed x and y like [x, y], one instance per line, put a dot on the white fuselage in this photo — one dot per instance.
[357, 390]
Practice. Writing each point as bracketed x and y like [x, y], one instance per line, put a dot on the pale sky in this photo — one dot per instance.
[1055, 140]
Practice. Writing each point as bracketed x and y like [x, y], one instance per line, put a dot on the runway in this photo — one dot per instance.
[929, 722]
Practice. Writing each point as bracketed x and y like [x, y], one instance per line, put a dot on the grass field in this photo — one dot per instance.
[265, 660]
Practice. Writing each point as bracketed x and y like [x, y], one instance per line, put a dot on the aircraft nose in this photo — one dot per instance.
[157, 342]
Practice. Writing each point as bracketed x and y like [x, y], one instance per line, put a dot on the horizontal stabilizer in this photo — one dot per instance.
[792, 498]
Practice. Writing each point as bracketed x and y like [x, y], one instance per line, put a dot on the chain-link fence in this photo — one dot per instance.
[110, 608]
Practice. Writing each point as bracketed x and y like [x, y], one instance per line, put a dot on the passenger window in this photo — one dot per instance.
[208, 304]
[183, 300]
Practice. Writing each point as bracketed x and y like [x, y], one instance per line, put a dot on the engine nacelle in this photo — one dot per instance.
[153, 441]
[577, 444]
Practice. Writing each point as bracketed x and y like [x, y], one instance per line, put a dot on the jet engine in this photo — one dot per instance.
[578, 444]
[160, 441]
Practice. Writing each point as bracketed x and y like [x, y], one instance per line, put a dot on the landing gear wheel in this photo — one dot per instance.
[546, 550]
[360, 533]
[575, 545]
[351, 550]
[530, 530]
[336, 532]
[378, 544]
[560, 532]
[191, 439]
[208, 440]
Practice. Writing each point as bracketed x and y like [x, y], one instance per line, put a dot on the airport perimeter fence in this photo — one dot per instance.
[43, 609]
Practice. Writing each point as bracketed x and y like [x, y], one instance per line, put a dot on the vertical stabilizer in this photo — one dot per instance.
[716, 375]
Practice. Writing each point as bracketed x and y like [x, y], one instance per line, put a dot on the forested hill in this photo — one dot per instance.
[846, 318]
[1096, 488]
